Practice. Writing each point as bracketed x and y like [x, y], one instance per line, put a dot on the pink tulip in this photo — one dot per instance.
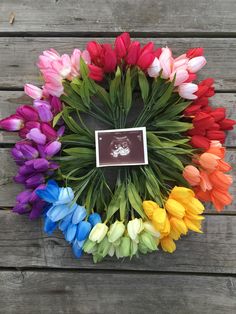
[33, 91]
[47, 57]
[187, 90]
[166, 62]
[52, 149]
[180, 76]
[28, 113]
[62, 66]
[37, 136]
[195, 64]
[95, 73]
[12, 123]
[122, 44]
[155, 68]
[27, 127]
[48, 131]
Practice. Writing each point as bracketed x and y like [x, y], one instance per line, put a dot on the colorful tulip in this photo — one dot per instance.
[12, 123]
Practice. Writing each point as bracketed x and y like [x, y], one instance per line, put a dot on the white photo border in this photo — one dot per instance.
[144, 132]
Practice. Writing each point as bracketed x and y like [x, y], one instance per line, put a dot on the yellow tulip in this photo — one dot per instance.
[149, 207]
[194, 217]
[168, 245]
[194, 206]
[193, 225]
[175, 208]
[181, 194]
[178, 225]
[166, 229]
[159, 218]
[174, 234]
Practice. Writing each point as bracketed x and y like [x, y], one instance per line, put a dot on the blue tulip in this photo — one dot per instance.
[70, 233]
[49, 226]
[79, 214]
[58, 212]
[94, 219]
[51, 193]
[83, 230]
[65, 222]
[66, 196]
[77, 248]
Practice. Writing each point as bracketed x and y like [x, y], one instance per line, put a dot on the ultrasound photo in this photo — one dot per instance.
[121, 147]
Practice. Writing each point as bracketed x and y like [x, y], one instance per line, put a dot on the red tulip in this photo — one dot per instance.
[95, 73]
[146, 56]
[216, 135]
[199, 141]
[109, 58]
[194, 52]
[133, 53]
[205, 88]
[122, 44]
[203, 121]
[227, 124]
[95, 51]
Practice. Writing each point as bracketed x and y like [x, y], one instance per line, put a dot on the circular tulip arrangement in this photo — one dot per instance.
[123, 210]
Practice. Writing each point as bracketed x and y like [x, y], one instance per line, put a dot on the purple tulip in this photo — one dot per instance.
[27, 127]
[52, 149]
[18, 156]
[37, 208]
[19, 178]
[25, 171]
[39, 164]
[44, 110]
[34, 197]
[61, 131]
[21, 208]
[24, 197]
[28, 113]
[37, 136]
[12, 123]
[35, 180]
[28, 151]
[48, 131]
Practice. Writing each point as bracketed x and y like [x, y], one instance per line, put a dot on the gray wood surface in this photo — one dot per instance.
[89, 293]
[23, 244]
[19, 56]
[86, 16]
[38, 273]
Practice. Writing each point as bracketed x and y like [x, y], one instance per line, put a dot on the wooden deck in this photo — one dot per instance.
[38, 274]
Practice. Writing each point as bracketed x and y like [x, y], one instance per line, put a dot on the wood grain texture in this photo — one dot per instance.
[10, 100]
[86, 16]
[24, 244]
[88, 293]
[19, 55]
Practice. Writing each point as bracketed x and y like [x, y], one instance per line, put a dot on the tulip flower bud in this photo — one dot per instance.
[28, 113]
[178, 225]
[181, 194]
[111, 251]
[155, 68]
[103, 247]
[134, 227]
[133, 248]
[192, 175]
[94, 219]
[149, 207]
[44, 110]
[47, 130]
[148, 240]
[148, 226]
[195, 64]
[52, 149]
[89, 246]
[12, 123]
[33, 91]
[125, 245]
[37, 136]
[168, 245]
[159, 218]
[200, 141]
[98, 232]
[116, 231]
[175, 208]
[187, 90]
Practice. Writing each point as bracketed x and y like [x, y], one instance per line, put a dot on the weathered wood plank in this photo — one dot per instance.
[86, 16]
[19, 55]
[10, 100]
[85, 292]
[9, 190]
[23, 244]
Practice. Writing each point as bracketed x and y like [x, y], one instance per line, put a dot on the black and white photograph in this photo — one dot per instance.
[121, 147]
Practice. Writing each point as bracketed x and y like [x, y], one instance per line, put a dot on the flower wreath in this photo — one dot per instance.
[124, 87]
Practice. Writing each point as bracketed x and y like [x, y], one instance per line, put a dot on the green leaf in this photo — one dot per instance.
[114, 86]
[135, 199]
[170, 159]
[114, 204]
[83, 69]
[162, 101]
[127, 92]
[123, 203]
[172, 126]
[80, 152]
[144, 85]
[57, 118]
[172, 111]
[103, 95]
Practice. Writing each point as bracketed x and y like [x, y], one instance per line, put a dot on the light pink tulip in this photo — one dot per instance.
[33, 91]
[195, 64]
[47, 57]
[37, 136]
[192, 175]
[166, 62]
[187, 90]
[155, 68]
[62, 66]
[75, 61]
[180, 76]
